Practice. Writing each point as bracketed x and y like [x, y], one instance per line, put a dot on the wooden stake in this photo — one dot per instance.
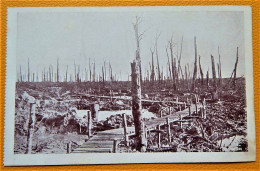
[125, 128]
[168, 129]
[115, 143]
[89, 124]
[181, 122]
[69, 147]
[30, 127]
[159, 137]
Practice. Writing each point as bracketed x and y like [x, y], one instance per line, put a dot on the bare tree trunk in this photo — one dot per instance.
[105, 71]
[110, 72]
[235, 71]
[21, 77]
[169, 64]
[103, 76]
[52, 74]
[66, 78]
[44, 77]
[186, 78]
[152, 68]
[58, 70]
[220, 72]
[90, 74]
[78, 74]
[28, 79]
[94, 71]
[213, 72]
[137, 107]
[157, 58]
[201, 72]
[173, 64]
[179, 61]
[207, 79]
[195, 66]
[138, 38]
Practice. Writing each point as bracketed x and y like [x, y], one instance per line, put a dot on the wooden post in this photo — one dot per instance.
[69, 147]
[115, 143]
[204, 108]
[145, 130]
[89, 124]
[196, 103]
[96, 111]
[125, 128]
[169, 109]
[189, 111]
[110, 95]
[181, 122]
[30, 127]
[185, 105]
[168, 129]
[159, 136]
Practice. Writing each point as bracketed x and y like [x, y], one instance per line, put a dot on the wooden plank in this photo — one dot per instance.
[104, 139]
[96, 146]
[91, 149]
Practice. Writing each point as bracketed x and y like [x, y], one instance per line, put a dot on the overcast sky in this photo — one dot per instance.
[101, 35]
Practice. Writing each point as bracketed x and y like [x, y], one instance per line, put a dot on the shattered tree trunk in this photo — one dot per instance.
[235, 71]
[157, 59]
[201, 73]
[152, 69]
[195, 66]
[213, 72]
[220, 72]
[169, 65]
[30, 127]
[137, 107]
[28, 71]
[57, 70]
[21, 77]
[173, 65]
[67, 73]
[138, 37]
[207, 79]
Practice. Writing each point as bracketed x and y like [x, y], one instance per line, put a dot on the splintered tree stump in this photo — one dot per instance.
[137, 107]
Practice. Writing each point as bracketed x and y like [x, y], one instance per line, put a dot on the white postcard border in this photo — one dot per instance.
[119, 158]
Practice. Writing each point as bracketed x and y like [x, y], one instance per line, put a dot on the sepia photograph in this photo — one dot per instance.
[129, 82]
